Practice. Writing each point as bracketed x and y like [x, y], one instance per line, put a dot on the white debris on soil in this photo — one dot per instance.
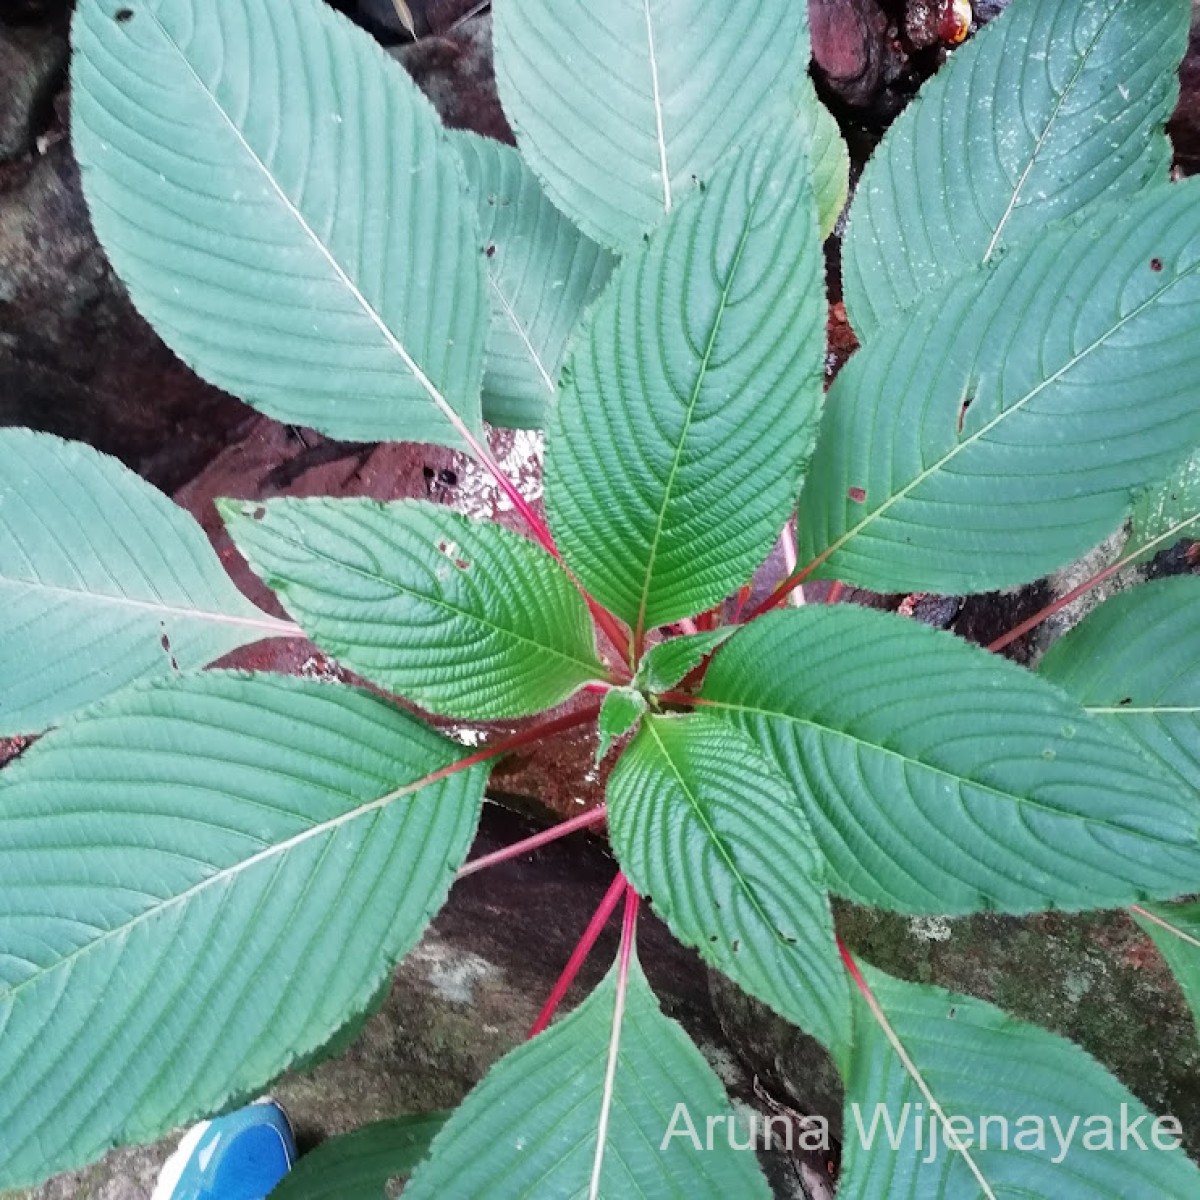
[727, 1067]
[930, 929]
[519, 454]
[317, 666]
[453, 973]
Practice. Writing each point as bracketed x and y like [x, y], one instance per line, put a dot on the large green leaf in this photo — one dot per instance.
[530, 1129]
[1001, 430]
[1001, 1082]
[939, 778]
[285, 209]
[1169, 509]
[463, 617]
[102, 581]
[1054, 105]
[542, 273]
[622, 107]
[358, 1165]
[1175, 929]
[690, 402]
[703, 825]
[1135, 662]
[200, 881]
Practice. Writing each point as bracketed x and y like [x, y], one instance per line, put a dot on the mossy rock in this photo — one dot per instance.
[1094, 978]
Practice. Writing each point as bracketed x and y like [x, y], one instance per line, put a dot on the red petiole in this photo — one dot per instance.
[579, 955]
[595, 816]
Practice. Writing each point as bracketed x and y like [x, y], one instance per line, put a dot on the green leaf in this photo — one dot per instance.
[1135, 662]
[973, 1065]
[358, 1165]
[542, 273]
[463, 617]
[531, 1127]
[690, 402]
[621, 711]
[665, 665]
[704, 826]
[286, 210]
[1168, 510]
[620, 108]
[1001, 429]
[1175, 929]
[827, 154]
[200, 881]
[102, 581]
[1054, 105]
[939, 778]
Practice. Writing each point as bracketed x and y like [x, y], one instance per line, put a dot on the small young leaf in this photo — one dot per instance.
[691, 400]
[705, 826]
[621, 711]
[358, 1165]
[102, 581]
[665, 665]
[542, 273]
[1001, 429]
[1054, 105]
[1175, 929]
[1135, 662]
[1169, 510]
[201, 880]
[462, 617]
[975, 1075]
[646, 97]
[285, 209]
[530, 1128]
[827, 154]
[939, 778]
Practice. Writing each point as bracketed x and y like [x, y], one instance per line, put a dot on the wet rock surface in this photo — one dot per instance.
[32, 62]
[75, 358]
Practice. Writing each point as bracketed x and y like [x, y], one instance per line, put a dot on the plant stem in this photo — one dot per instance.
[781, 593]
[585, 820]
[534, 733]
[836, 589]
[541, 532]
[579, 954]
[1057, 606]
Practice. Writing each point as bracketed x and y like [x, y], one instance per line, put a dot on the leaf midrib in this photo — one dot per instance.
[592, 667]
[659, 123]
[225, 874]
[1015, 407]
[522, 333]
[393, 342]
[1013, 205]
[1157, 919]
[875, 747]
[693, 401]
[266, 623]
[717, 841]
